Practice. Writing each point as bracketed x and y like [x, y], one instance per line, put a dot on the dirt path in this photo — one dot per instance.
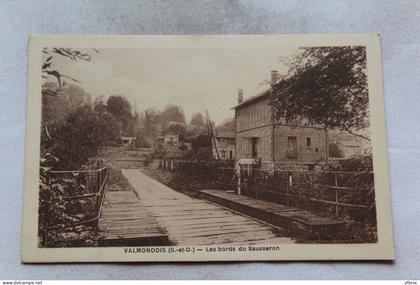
[190, 221]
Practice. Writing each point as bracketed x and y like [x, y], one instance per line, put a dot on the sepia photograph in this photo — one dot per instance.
[201, 145]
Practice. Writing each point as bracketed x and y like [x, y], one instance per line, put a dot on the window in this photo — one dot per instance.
[223, 142]
[230, 154]
[223, 152]
[308, 142]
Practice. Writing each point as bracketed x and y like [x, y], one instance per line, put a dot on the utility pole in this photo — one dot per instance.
[211, 133]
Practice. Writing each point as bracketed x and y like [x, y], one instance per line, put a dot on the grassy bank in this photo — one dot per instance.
[117, 181]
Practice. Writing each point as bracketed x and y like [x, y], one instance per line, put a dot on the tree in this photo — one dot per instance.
[197, 120]
[60, 144]
[227, 125]
[48, 69]
[81, 136]
[141, 141]
[201, 148]
[172, 113]
[120, 108]
[201, 141]
[325, 86]
[57, 108]
[109, 128]
[149, 126]
[99, 105]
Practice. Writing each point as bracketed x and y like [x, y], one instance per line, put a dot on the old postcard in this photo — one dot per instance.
[205, 148]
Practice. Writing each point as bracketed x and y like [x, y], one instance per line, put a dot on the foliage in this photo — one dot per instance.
[335, 150]
[56, 108]
[183, 146]
[99, 105]
[177, 129]
[172, 113]
[49, 70]
[81, 135]
[150, 122]
[326, 86]
[117, 181]
[308, 190]
[55, 210]
[59, 101]
[201, 148]
[201, 153]
[141, 141]
[108, 127]
[227, 125]
[360, 163]
[193, 175]
[120, 108]
[201, 141]
[154, 122]
[197, 120]
[158, 152]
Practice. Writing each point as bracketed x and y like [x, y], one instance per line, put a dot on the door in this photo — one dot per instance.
[254, 150]
[292, 147]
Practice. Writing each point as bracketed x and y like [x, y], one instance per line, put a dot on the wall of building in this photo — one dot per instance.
[351, 145]
[227, 147]
[243, 143]
[171, 139]
[255, 120]
[313, 153]
[255, 115]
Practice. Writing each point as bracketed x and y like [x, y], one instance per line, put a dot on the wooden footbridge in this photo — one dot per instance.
[156, 215]
[189, 221]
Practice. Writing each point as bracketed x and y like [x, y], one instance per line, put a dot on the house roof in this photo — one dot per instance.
[251, 99]
[171, 134]
[225, 134]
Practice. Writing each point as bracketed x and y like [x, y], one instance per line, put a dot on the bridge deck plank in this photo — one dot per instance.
[274, 213]
[125, 221]
[190, 221]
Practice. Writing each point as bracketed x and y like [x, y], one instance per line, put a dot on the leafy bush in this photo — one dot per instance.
[335, 150]
[358, 163]
[202, 174]
[57, 210]
[141, 141]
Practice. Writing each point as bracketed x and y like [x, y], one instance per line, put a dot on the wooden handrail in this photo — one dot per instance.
[337, 187]
[84, 196]
[294, 178]
[100, 193]
[77, 171]
[321, 200]
[273, 170]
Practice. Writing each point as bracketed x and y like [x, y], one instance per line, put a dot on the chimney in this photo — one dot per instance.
[240, 96]
[274, 77]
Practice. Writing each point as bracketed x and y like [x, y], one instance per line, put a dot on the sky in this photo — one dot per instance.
[194, 78]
